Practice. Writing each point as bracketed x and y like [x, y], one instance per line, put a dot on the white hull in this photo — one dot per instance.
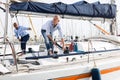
[109, 67]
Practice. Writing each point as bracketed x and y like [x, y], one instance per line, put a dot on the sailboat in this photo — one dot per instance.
[95, 58]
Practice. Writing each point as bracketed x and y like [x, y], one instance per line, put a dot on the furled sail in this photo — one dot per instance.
[81, 8]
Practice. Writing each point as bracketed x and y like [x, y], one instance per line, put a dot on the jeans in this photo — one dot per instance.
[24, 40]
[48, 42]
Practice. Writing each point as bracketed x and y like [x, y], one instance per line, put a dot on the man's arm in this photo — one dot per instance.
[63, 44]
[61, 35]
[26, 28]
[16, 34]
[49, 36]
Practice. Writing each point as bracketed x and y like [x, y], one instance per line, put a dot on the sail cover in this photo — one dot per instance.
[81, 8]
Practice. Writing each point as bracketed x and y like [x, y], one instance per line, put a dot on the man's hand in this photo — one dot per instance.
[54, 42]
[49, 36]
[19, 39]
[29, 28]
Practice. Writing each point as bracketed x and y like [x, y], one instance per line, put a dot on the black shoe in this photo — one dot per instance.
[66, 51]
[50, 52]
[55, 56]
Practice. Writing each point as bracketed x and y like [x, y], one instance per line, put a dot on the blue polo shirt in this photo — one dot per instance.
[21, 31]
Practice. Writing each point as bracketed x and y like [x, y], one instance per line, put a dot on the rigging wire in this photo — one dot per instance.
[90, 46]
[1, 24]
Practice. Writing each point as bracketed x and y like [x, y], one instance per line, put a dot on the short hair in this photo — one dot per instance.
[57, 16]
[14, 23]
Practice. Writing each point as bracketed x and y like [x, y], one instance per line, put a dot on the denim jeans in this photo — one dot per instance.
[48, 42]
[23, 42]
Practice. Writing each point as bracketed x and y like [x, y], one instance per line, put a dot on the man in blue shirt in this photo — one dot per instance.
[22, 35]
[47, 31]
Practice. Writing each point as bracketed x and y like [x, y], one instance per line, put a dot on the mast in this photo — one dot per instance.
[6, 20]
[113, 27]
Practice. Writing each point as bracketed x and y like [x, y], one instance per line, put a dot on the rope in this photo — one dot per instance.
[57, 8]
[16, 17]
[13, 53]
[32, 26]
[76, 9]
[13, 38]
